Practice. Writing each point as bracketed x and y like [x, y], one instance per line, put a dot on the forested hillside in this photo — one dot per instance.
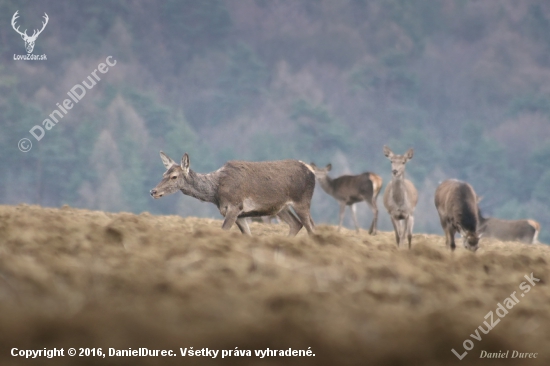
[466, 83]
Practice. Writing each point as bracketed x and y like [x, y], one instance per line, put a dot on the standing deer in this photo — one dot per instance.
[456, 204]
[242, 189]
[525, 231]
[400, 197]
[350, 189]
[29, 41]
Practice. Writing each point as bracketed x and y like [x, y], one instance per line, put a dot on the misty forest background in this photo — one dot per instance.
[466, 83]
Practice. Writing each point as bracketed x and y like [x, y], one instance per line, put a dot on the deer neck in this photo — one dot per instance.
[482, 220]
[327, 184]
[203, 187]
[399, 191]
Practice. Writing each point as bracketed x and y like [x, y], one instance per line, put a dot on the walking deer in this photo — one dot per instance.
[242, 189]
[400, 197]
[456, 204]
[525, 231]
[350, 189]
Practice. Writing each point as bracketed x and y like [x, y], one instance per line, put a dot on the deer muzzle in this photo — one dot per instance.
[155, 194]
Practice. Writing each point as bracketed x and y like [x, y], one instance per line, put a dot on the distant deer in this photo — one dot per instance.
[400, 197]
[350, 189]
[243, 189]
[456, 203]
[525, 231]
[29, 40]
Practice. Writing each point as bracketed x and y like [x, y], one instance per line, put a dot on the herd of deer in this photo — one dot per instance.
[251, 189]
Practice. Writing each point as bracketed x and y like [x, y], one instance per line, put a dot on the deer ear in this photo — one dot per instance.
[185, 163]
[409, 154]
[329, 167]
[166, 160]
[388, 152]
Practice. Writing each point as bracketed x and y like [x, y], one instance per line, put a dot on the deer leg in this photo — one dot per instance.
[451, 236]
[294, 224]
[395, 229]
[243, 226]
[445, 230]
[447, 240]
[402, 224]
[231, 215]
[374, 208]
[404, 231]
[302, 211]
[410, 229]
[342, 211]
[354, 216]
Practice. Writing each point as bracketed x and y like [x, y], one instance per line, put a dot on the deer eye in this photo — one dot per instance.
[174, 177]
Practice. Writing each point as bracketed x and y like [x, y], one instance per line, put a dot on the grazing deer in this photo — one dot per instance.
[525, 231]
[29, 41]
[400, 197]
[350, 189]
[242, 189]
[456, 204]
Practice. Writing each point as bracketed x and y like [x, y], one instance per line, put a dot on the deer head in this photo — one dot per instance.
[29, 41]
[398, 161]
[321, 173]
[174, 178]
[470, 241]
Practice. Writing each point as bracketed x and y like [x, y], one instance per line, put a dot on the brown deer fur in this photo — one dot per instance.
[456, 204]
[350, 189]
[243, 189]
[525, 231]
[400, 197]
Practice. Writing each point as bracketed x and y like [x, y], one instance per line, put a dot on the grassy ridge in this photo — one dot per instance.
[79, 278]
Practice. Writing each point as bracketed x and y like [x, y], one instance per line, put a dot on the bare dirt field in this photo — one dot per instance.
[78, 278]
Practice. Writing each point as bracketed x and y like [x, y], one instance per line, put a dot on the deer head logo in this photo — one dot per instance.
[29, 41]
